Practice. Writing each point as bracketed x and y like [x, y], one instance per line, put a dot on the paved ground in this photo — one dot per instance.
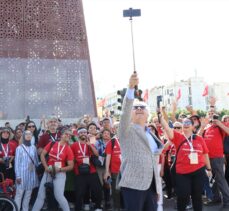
[170, 204]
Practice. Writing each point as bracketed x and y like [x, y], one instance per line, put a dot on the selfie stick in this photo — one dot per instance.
[132, 13]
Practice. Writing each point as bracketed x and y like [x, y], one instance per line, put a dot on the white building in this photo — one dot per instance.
[191, 94]
[221, 92]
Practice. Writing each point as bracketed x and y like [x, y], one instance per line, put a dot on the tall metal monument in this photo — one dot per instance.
[44, 60]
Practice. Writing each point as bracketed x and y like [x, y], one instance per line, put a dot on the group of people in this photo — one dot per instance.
[97, 166]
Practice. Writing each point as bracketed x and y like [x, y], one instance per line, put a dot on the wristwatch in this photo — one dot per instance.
[208, 169]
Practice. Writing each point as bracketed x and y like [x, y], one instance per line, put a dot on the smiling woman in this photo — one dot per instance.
[191, 160]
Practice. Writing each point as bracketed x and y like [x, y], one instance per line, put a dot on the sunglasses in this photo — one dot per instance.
[187, 123]
[177, 127]
[139, 107]
[31, 126]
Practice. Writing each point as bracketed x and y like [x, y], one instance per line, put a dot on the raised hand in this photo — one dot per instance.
[134, 80]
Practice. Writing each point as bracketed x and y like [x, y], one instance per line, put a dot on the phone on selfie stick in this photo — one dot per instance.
[159, 100]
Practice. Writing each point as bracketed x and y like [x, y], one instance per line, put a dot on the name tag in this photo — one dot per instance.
[193, 156]
[57, 164]
[86, 160]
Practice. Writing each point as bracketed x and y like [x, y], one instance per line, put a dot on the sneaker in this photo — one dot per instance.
[98, 210]
[188, 207]
[71, 205]
[212, 202]
[86, 207]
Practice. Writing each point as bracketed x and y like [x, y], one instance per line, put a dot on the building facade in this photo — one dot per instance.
[44, 60]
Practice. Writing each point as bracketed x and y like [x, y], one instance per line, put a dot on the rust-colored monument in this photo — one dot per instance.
[44, 60]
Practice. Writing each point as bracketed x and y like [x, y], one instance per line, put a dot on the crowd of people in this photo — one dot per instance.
[125, 165]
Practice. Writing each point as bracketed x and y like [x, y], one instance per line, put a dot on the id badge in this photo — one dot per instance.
[193, 158]
[101, 159]
[57, 164]
[86, 160]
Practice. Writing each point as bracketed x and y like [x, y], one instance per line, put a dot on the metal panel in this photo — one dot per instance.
[44, 59]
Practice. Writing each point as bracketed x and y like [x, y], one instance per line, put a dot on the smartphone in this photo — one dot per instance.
[159, 100]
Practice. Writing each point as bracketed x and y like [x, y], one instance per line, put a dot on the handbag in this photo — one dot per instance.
[84, 169]
[173, 166]
[96, 162]
[226, 145]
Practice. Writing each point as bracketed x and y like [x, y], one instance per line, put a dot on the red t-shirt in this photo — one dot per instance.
[15, 142]
[213, 137]
[183, 165]
[115, 156]
[46, 138]
[65, 154]
[82, 151]
[8, 149]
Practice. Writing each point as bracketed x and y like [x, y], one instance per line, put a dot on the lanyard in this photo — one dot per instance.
[5, 151]
[53, 139]
[190, 142]
[59, 152]
[83, 151]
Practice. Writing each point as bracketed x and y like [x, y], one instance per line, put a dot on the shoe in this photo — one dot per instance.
[168, 196]
[98, 210]
[86, 207]
[188, 207]
[212, 202]
[71, 205]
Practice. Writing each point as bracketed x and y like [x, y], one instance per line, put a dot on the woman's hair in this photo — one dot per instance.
[35, 133]
[224, 117]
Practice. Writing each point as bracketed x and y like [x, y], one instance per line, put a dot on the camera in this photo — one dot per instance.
[7, 162]
[215, 116]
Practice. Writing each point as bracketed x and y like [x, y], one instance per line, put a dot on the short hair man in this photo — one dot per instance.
[140, 153]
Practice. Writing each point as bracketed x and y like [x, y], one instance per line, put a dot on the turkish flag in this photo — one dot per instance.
[146, 95]
[102, 102]
[178, 94]
[205, 92]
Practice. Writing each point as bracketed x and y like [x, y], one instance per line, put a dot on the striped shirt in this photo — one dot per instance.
[24, 168]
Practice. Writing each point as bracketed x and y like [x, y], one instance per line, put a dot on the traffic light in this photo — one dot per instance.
[138, 94]
[121, 94]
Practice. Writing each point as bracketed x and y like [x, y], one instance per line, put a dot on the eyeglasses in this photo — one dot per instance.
[177, 127]
[31, 126]
[139, 107]
[68, 134]
[28, 133]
